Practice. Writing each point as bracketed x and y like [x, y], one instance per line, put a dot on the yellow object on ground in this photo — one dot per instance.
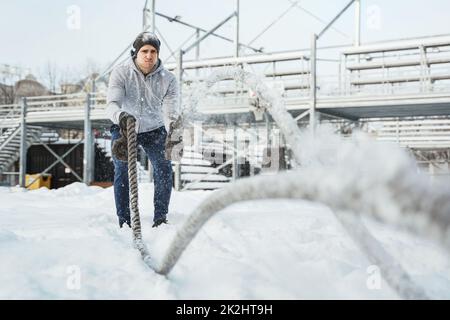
[42, 180]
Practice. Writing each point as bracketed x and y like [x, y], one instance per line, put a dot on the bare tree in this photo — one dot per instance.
[68, 79]
[49, 75]
[91, 70]
[7, 93]
[7, 80]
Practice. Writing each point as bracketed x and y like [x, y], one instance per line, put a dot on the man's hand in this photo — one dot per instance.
[174, 141]
[120, 146]
[123, 118]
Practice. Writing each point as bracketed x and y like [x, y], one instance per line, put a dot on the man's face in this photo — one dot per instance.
[147, 58]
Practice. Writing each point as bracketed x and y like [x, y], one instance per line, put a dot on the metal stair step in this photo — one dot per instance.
[196, 169]
[206, 186]
[4, 153]
[8, 151]
[196, 176]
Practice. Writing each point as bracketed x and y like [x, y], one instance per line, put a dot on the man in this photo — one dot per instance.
[142, 88]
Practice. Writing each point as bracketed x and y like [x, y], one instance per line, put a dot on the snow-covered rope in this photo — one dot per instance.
[133, 186]
[273, 100]
[347, 201]
[292, 185]
[396, 277]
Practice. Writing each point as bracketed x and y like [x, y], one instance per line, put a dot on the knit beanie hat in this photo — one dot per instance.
[143, 39]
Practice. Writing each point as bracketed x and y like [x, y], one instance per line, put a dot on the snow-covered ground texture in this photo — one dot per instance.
[253, 250]
[66, 244]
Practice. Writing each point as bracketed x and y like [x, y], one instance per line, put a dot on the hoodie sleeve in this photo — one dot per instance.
[115, 95]
[171, 108]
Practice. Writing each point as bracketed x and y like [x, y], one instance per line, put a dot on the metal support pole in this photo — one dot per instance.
[180, 77]
[144, 16]
[340, 76]
[251, 149]
[177, 164]
[94, 86]
[197, 51]
[236, 37]
[87, 159]
[197, 48]
[335, 19]
[92, 151]
[177, 169]
[149, 14]
[357, 23]
[235, 155]
[23, 144]
[92, 159]
[257, 148]
[313, 95]
[153, 17]
[174, 19]
[267, 129]
[207, 34]
[357, 39]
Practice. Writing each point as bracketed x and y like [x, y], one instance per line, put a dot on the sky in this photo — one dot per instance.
[78, 35]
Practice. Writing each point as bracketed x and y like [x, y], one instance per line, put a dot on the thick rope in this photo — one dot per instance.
[295, 185]
[249, 189]
[133, 185]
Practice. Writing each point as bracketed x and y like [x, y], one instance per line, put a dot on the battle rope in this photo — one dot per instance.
[395, 275]
[133, 185]
[249, 189]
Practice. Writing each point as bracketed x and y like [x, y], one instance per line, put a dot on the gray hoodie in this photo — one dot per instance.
[151, 99]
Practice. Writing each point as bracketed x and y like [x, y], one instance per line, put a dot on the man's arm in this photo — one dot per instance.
[171, 108]
[114, 98]
[173, 123]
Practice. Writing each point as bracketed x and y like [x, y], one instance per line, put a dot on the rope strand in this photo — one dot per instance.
[133, 186]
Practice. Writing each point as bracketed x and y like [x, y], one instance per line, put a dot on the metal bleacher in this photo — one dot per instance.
[374, 81]
[405, 85]
[426, 62]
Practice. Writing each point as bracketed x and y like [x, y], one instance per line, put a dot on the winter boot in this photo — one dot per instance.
[122, 221]
[159, 221]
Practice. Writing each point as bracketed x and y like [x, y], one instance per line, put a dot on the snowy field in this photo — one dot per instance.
[271, 249]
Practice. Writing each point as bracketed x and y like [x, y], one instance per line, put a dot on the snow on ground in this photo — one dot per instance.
[269, 249]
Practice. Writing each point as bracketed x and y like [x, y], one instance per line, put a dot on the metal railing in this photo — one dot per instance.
[425, 133]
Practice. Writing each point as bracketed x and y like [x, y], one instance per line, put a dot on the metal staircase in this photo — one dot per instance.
[198, 173]
[10, 144]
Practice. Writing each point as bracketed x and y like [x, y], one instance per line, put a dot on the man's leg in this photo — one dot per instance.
[153, 143]
[121, 187]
